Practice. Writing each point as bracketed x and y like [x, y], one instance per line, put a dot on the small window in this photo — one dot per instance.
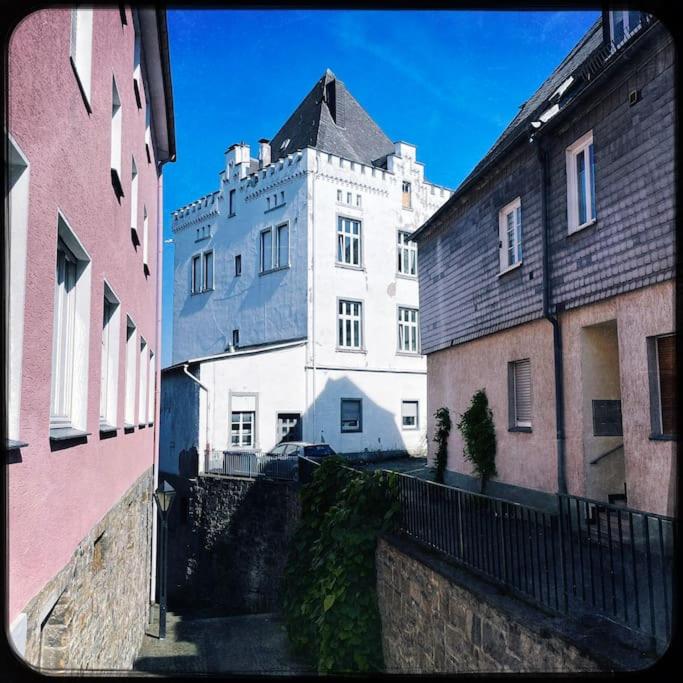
[519, 390]
[238, 265]
[145, 240]
[622, 25]
[407, 255]
[134, 199]
[242, 429]
[408, 330]
[348, 241]
[289, 426]
[196, 273]
[207, 282]
[510, 235]
[406, 195]
[137, 73]
[339, 195]
[662, 366]
[131, 356]
[349, 324]
[267, 203]
[231, 203]
[81, 49]
[110, 357]
[282, 245]
[116, 127]
[349, 198]
[282, 197]
[358, 200]
[142, 384]
[235, 338]
[351, 415]
[266, 250]
[151, 388]
[148, 134]
[409, 415]
[581, 183]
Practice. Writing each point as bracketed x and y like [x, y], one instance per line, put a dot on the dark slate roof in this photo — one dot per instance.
[330, 119]
[576, 60]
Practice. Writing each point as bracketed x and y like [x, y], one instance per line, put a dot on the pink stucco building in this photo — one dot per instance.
[90, 126]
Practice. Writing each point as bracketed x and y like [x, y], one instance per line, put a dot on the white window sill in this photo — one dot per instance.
[342, 349]
[409, 429]
[351, 431]
[581, 227]
[273, 270]
[414, 354]
[348, 266]
[407, 276]
[203, 291]
[510, 268]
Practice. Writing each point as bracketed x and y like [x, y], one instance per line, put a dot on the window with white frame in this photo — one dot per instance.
[145, 240]
[196, 273]
[348, 241]
[131, 357]
[68, 405]
[148, 134]
[152, 387]
[266, 250]
[282, 237]
[137, 71]
[109, 368]
[623, 24]
[510, 235]
[351, 415]
[207, 280]
[116, 129]
[134, 199]
[406, 195]
[242, 429]
[581, 183]
[519, 393]
[142, 384]
[408, 330]
[81, 49]
[350, 324]
[409, 415]
[407, 254]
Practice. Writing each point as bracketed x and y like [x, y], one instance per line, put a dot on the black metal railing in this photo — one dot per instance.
[253, 465]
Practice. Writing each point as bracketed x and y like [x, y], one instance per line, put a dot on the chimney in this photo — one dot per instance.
[237, 159]
[263, 152]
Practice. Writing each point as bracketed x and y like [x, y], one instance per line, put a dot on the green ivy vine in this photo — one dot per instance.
[441, 432]
[479, 435]
[330, 599]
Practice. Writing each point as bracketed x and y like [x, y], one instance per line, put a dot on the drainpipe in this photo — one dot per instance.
[202, 386]
[542, 156]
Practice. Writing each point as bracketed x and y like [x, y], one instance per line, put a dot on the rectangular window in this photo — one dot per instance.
[407, 254]
[137, 73]
[238, 265]
[349, 198]
[207, 282]
[351, 415]
[134, 200]
[408, 330]
[519, 393]
[662, 370]
[131, 356]
[196, 273]
[242, 429]
[581, 183]
[282, 245]
[358, 200]
[152, 387]
[142, 385]
[510, 235]
[145, 240]
[622, 24]
[81, 49]
[348, 241]
[231, 203]
[110, 357]
[289, 427]
[349, 324]
[409, 415]
[266, 250]
[148, 134]
[406, 195]
[235, 338]
[116, 128]
[340, 195]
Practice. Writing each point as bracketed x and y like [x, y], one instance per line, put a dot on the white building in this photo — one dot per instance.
[296, 294]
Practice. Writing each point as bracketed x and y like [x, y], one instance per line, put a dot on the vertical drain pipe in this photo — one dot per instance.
[542, 156]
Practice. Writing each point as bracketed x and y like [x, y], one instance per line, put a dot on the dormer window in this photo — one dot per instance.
[622, 24]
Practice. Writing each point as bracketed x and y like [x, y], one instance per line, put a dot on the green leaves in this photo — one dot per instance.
[330, 601]
[479, 435]
[441, 432]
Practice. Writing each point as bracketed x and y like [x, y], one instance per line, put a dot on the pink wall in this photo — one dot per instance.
[55, 498]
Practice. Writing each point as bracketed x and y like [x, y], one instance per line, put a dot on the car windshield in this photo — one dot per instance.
[318, 450]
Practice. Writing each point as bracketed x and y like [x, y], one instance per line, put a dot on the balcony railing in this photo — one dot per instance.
[251, 464]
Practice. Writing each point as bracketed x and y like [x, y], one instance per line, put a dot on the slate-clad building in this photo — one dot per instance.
[547, 279]
[296, 293]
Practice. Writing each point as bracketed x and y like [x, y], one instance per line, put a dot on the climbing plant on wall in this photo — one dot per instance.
[330, 600]
[479, 435]
[441, 432]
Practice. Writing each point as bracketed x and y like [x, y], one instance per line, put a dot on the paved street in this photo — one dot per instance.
[246, 644]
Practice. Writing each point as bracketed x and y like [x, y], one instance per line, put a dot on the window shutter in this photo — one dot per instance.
[666, 349]
[350, 410]
[523, 392]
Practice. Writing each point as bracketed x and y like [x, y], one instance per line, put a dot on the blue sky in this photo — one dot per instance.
[446, 81]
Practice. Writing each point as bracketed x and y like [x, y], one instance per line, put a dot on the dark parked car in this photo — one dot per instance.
[309, 450]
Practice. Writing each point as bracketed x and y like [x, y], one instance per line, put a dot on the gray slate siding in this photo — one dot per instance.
[631, 245]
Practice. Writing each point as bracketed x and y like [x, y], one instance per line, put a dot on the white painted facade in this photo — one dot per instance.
[308, 191]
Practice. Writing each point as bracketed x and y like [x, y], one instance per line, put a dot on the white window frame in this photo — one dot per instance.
[408, 330]
[80, 51]
[151, 389]
[148, 133]
[515, 422]
[70, 335]
[407, 255]
[514, 209]
[347, 429]
[278, 232]
[196, 272]
[109, 369]
[116, 135]
[349, 336]
[241, 432]
[346, 237]
[134, 180]
[416, 426]
[628, 29]
[131, 362]
[208, 283]
[266, 267]
[145, 239]
[142, 383]
[137, 69]
[582, 145]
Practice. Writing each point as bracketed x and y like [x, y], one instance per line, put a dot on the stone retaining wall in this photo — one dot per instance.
[93, 613]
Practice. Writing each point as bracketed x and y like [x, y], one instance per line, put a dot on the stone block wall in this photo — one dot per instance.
[229, 554]
[438, 619]
[92, 615]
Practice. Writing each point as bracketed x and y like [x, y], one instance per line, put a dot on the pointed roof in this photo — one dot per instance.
[330, 119]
